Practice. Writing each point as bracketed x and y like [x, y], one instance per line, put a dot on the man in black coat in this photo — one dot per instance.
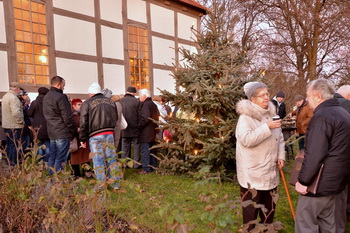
[130, 105]
[343, 97]
[60, 125]
[35, 111]
[148, 130]
[278, 101]
[327, 143]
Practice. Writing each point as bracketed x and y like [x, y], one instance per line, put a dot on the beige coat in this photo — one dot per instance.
[258, 148]
[12, 111]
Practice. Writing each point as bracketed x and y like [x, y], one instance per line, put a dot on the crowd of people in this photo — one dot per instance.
[128, 123]
[76, 131]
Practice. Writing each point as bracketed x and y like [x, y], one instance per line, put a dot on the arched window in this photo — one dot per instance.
[31, 42]
[138, 57]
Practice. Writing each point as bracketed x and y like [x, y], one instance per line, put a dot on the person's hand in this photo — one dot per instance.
[82, 145]
[274, 124]
[280, 163]
[302, 189]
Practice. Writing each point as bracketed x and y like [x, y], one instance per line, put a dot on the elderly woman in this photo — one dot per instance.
[259, 152]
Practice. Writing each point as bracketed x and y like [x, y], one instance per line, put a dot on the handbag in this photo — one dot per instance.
[73, 147]
[123, 123]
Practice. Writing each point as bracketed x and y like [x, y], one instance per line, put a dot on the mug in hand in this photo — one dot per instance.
[275, 118]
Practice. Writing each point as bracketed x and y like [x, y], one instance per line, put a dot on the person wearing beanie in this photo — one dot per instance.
[35, 111]
[259, 152]
[278, 101]
[97, 122]
[60, 125]
[130, 136]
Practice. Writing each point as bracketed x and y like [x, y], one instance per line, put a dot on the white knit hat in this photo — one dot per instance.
[250, 87]
[94, 88]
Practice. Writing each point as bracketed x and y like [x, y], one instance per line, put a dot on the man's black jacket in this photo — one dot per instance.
[58, 114]
[97, 115]
[327, 142]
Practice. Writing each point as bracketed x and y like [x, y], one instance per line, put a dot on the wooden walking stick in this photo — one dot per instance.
[287, 192]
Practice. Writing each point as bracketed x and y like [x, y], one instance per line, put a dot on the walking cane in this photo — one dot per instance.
[287, 192]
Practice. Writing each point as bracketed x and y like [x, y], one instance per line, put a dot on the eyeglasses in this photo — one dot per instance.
[263, 95]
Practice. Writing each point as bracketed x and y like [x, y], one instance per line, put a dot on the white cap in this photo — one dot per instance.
[94, 88]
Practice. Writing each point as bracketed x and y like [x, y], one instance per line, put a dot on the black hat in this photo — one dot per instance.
[280, 94]
[131, 90]
[43, 90]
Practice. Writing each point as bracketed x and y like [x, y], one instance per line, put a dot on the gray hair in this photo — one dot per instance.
[344, 90]
[325, 87]
[145, 92]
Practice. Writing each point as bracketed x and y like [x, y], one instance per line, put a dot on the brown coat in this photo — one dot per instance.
[82, 154]
[304, 114]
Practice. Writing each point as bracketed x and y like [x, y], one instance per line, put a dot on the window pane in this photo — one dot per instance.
[42, 19]
[26, 15]
[25, 4]
[19, 35]
[36, 28]
[18, 24]
[17, 3]
[35, 17]
[18, 14]
[29, 58]
[27, 36]
[28, 47]
[34, 6]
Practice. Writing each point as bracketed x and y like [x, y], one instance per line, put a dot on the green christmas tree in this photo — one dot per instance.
[207, 87]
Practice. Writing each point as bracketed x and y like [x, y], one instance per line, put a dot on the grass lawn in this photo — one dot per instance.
[143, 196]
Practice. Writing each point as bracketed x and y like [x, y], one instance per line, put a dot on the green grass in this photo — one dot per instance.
[144, 195]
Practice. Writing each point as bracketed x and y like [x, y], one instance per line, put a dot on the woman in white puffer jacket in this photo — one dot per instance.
[259, 152]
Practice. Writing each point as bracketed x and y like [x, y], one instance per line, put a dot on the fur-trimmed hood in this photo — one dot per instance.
[247, 107]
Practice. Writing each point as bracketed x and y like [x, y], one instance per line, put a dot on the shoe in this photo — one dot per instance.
[142, 172]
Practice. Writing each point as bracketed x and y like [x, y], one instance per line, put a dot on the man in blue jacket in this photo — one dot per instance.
[327, 143]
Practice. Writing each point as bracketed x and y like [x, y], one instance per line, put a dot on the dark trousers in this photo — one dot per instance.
[250, 213]
[126, 149]
[14, 145]
[301, 142]
[148, 161]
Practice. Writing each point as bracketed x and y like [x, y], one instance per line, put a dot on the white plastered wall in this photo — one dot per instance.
[163, 80]
[163, 51]
[185, 23]
[75, 36]
[114, 78]
[85, 7]
[78, 74]
[2, 24]
[112, 43]
[162, 20]
[111, 10]
[137, 10]
[4, 77]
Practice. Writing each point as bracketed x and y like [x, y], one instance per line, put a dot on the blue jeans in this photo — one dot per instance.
[148, 161]
[105, 159]
[14, 145]
[58, 154]
[44, 153]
